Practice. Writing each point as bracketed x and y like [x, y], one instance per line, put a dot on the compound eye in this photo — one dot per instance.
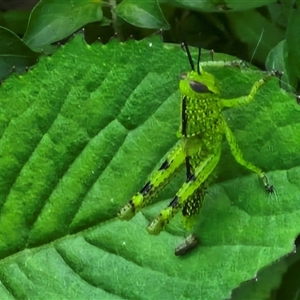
[198, 87]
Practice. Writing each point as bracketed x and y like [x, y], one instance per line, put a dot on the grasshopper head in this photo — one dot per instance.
[203, 83]
[197, 82]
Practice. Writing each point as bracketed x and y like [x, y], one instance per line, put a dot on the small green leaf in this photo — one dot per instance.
[257, 32]
[51, 20]
[293, 40]
[15, 20]
[218, 5]
[278, 60]
[14, 54]
[145, 14]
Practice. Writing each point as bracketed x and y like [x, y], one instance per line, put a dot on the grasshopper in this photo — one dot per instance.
[200, 136]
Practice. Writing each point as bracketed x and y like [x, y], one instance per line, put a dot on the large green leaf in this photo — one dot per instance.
[81, 132]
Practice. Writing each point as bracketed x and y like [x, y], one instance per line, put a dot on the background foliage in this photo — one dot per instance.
[263, 32]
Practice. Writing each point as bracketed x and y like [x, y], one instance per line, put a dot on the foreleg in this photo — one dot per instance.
[237, 153]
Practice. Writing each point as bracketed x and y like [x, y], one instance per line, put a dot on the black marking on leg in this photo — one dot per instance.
[188, 167]
[132, 206]
[183, 116]
[165, 165]
[174, 202]
[191, 178]
[146, 189]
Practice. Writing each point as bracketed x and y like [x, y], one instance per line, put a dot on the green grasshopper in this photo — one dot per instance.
[200, 136]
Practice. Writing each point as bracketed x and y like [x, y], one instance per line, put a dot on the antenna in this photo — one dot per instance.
[186, 47]
[259, 40]
[198, 61]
